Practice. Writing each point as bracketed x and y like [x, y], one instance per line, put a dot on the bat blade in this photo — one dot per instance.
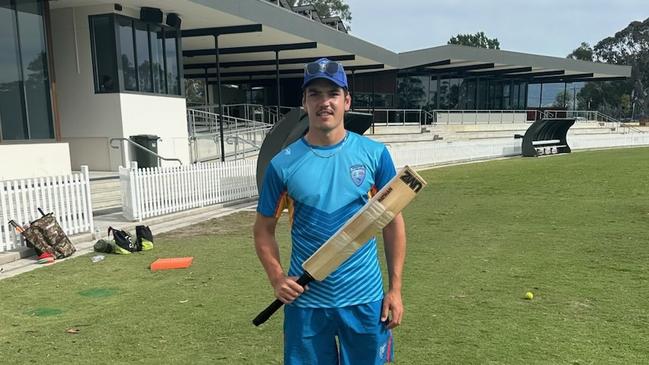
[374, 216]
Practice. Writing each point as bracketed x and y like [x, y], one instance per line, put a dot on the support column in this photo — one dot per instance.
[277, 81]
[218, 85]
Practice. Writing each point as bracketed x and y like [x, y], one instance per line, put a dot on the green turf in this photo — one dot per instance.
[573, 229]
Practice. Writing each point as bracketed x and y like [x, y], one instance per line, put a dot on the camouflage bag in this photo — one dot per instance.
[46, 235]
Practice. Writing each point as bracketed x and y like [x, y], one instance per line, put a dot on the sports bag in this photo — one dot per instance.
[123, 239]
[144, 238]
[46, 235]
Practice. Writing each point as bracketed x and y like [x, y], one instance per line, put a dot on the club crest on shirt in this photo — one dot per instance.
[358, 174]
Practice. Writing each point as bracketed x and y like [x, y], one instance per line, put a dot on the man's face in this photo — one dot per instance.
[326, 104]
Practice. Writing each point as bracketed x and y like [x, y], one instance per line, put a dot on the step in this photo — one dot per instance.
[105, 193]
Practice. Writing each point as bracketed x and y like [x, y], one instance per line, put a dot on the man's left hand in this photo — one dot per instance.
[392, 309]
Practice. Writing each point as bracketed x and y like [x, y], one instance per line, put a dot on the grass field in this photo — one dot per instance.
[573, 229]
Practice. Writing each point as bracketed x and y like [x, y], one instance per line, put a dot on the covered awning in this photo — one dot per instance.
[471, 61]
[283, 25]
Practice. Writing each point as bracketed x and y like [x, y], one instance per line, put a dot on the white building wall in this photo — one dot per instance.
[27, 160]
[89, 120]
[162, 116]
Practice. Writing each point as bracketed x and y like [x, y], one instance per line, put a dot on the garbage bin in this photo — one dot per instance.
[143, 158]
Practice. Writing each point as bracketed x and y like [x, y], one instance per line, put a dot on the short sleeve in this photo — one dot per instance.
[386, 170]
[272, 193]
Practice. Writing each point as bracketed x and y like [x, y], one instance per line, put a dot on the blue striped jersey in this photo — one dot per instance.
[323, 187]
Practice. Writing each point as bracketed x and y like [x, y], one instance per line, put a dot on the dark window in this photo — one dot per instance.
[103, 40]
[534, 95]
[173, 81]
[157, 60]
[25, 108]
[470, 102]
[143, 57]
[146, 61]
[506, 96]
[127, 53]
[434, 92]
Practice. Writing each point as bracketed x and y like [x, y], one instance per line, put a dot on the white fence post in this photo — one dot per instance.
[152, 192]
[68, 197]
[129, 192]
[86, 197]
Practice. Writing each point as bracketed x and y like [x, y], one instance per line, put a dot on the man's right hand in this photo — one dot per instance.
[287, 289]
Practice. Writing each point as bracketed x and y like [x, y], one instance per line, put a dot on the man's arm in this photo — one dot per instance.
[286, 289]
[394, 240]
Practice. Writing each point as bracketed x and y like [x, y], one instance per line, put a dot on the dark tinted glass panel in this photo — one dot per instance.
[12, 118]
[104, 53]
[412, 91]
[127, 53]
[157, 62]
[506, 95]
[533, 95]
[551, 95]
[173, 80]
[515, 96]
[444, 87]
[35, 73]
[470, 96]
[453, 96]
[434, 91]
[143, 57]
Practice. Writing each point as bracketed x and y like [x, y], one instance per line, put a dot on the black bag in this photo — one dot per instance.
[123, 239]
[144, 238]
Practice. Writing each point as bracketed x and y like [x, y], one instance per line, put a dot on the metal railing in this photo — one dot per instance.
[257, 112]
[205, 136]
[237, 141]
[478, 116]
[580, 115]
[124, 147]
[200, 122]
[401, 117]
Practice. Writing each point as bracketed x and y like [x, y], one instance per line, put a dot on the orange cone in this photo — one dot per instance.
[172, 263]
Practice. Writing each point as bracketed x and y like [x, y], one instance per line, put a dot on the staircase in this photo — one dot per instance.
[105, 193]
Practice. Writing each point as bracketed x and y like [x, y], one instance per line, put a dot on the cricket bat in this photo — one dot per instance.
[374, 216]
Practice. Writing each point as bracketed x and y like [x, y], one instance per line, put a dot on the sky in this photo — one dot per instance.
[545, 27]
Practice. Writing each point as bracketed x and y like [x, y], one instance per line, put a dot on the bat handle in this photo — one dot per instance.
[277, 304]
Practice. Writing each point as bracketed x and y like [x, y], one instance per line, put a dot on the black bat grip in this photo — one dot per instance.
[277, 304]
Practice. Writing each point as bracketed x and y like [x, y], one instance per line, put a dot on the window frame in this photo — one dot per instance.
[116, 50]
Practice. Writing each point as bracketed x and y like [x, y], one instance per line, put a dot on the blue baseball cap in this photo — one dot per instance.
[325, 69]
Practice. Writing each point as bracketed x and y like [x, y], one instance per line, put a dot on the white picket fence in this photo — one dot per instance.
[67, 196]
[151, 192]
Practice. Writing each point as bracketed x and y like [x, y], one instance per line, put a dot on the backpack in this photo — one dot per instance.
[46, 235]
[144, 240]
[109, 246]
[123, 239]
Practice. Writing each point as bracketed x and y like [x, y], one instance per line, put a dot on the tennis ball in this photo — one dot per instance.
[529, 295]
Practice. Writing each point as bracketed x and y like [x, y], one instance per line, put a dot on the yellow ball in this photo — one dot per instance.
[529, 295]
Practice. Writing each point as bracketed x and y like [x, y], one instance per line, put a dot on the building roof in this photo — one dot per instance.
[281, 25]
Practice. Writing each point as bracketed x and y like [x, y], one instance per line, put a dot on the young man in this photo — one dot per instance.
[324, 178]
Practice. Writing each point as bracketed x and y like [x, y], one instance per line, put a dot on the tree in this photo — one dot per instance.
[329, 8]
[195, 91]
[630, 46]
[563, 100]
[410, 91]
[479, 40]
[584, 53]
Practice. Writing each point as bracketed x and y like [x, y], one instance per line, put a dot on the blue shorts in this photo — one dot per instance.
[310, 336]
